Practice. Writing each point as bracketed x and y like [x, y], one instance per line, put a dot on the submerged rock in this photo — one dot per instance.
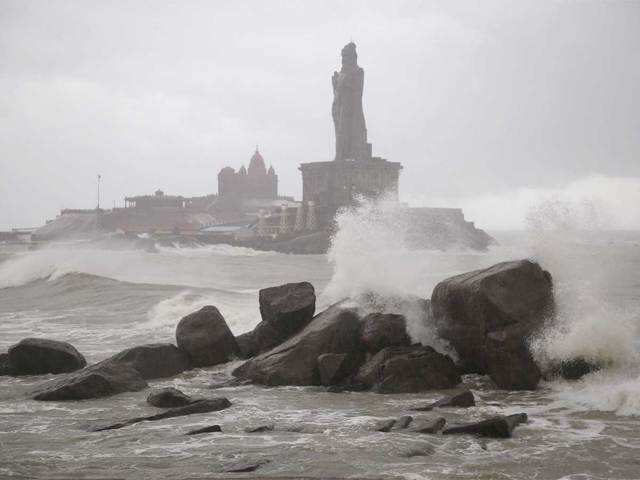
[39, 356]
[268, 427]
[424, 451]
[285, 310]
[100, 380]
[198, 406]
[169, 397]
[433, 425]
[385, 425]
[295, 362]
[381, 330]
[245, 467]
[460, 399]
[205, 337]
[403, 422]
[487, 316]
[495, 427]
[409, 369]
[209, 429]
[156, 360]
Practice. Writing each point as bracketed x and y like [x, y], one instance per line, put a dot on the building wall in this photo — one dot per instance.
[247, 185]
[337, 184]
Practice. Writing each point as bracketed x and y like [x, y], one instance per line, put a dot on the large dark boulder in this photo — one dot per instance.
[409, 369]
[100, 380]
[488, 315]
[510, 364]
[295, 362]
[381, 330]
[205, 337]
[285, 310]
[156, 360]
[38, 356]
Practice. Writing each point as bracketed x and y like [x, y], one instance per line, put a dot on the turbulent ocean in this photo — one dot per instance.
[103, 300]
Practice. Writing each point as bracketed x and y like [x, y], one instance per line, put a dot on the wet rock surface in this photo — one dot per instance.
[295, 361]
[487, 316]
[267, 427]
[285, 310]
[494, 427]
[408, 370]
[39, 356]
[205, 337]
[573, 369]
[5, 368]
[168, 397]
[199, 406]
[100, 380]
[430, 425]
[209, 429]
[157, 360]
[381, 330]
[245, 467]
[459, 399]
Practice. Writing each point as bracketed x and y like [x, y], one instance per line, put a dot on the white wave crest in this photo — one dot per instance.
[373, 266]
[241, 315]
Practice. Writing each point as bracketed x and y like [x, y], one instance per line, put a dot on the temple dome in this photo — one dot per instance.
[256, 165]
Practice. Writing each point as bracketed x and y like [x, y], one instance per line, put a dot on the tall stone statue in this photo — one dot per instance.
[348, 116]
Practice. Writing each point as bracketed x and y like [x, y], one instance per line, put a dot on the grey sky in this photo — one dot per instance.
[474, 98]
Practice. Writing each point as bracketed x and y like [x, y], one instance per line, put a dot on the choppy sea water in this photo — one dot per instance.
[103, 301]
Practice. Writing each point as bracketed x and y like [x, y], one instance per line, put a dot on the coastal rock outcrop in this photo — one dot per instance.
[205, 337]
[155, 360]
[381, 330]
[487, 316]
[409, 369]
[285, 310]
[100, 380]
[39, 356]
[295, 362]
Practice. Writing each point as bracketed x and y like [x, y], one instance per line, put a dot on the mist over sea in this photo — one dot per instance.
[104, 300]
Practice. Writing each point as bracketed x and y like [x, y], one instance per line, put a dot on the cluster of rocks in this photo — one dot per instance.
[486, 316]
[499, 426]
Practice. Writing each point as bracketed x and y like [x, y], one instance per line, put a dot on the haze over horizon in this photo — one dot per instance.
[493, 107]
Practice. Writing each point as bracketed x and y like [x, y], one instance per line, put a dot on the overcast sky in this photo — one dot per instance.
[478, 100]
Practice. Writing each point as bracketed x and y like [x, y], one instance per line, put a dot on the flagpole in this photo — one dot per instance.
[99, 177]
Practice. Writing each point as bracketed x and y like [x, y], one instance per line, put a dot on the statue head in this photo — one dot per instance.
[349, 55]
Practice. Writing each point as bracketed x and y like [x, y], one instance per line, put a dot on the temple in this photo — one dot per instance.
[255, 182]
[354, 173]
